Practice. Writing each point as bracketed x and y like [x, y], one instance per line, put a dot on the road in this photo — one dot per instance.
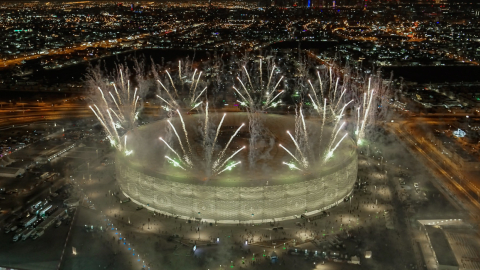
[108, 43]
[461, 189]
[73, 109]
[73, 48]
[22, 113]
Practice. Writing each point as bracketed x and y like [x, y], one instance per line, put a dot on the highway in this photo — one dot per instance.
[50, 111]
[463, 190]
[32, 112]
[442, 159]
[69, 50]
[108, 43]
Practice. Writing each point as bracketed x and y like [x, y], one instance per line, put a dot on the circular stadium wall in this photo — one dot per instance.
[268, 191]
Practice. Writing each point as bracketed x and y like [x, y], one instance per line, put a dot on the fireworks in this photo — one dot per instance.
[291, 166]
[230, 167]
[175, 163]
[336, 92]
[243, 157]
[220, 156]
[188, 159]
[117, 95]
[338, 104]
[304, 160]
[258, 95]
[171, 90]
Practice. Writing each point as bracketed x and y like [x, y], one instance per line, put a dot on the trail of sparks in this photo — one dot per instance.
[168, 93]
[173, 85]
[335, 136]
[196, 105]
[366, 116]
[206, 126]
[246, 91]
[290, 153]
[323, 120]
[204, 89]
[175, 152]
[291, 166]
[179, 141]
[229, 167]
[175, 163]
[102, 122]
[193, 80]
[261, 79]
[305, 134]
[320, 82]
[195, 89]
[248, 76]
[227, 159]
[185, 131]
[304, 160]
[119, 119]
[113, 126]
[118, 95]
[165, 101]
[271, 92]
[180, 70]
[275, 97]
[128, 90]
[135, 109]
[246, 101]
[216, 134]
[134, 95]
[118, 107]
[330, 154]
[270, 78]
[228, 143]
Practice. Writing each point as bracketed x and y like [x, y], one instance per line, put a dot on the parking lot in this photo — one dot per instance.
[41, 182]
[42, 253]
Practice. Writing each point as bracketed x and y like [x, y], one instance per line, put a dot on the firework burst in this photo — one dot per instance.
[117, 99]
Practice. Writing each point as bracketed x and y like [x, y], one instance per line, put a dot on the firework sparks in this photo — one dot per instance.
[304, 160]
[175, 163]
[169, 147]
[290, 153]
[228, 143]
[119, 101]
[291, 166]
[180, 142]
[185, 131]
[230, 157]
[330, 153]
[229, 167]
[216, 134]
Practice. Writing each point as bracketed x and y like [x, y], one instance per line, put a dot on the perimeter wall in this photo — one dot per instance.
[237, 203]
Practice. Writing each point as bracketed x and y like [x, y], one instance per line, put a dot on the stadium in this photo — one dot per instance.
[258, 191]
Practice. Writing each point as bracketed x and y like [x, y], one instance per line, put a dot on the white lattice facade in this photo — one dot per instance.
[238, 203]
